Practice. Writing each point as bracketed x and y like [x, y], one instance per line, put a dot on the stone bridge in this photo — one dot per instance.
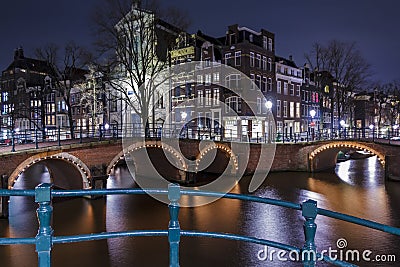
[77, 166]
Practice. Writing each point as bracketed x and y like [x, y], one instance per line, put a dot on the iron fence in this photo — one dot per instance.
[45, 238]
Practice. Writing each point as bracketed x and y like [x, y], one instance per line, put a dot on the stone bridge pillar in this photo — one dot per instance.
[392, 170]
[98, 177]
[4, 200]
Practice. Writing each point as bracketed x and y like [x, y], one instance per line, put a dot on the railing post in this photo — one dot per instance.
[59, 135]
[80, 133]
[174, 231]
[4, 200]
[36, 138]
[309, 252]
[45, 232]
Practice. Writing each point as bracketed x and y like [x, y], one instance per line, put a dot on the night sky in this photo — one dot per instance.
[373, 24]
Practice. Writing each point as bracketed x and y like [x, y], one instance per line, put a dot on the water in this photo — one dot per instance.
[356, 188]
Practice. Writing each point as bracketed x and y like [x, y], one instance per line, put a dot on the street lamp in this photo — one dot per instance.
[268, 105]
[183, 115]
[371, 127]
[343, 125]
[312, 124]
[395, 128]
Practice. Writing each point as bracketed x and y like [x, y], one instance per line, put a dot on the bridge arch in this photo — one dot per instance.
[50, 160]
[223, 148]
[328, 152]
[179, 159]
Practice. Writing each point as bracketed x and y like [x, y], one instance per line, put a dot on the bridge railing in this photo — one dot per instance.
[45, 239]
[58, 136]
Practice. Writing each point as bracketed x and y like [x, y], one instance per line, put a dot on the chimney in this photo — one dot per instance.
[291, 58]
[18, 53]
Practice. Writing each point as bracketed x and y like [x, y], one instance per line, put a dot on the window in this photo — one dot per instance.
[208, 97]
[285, 109]
[265, 42]
[270, 44]
[232, 81]
[233, 103]
[258, 81]
[291, 86]
[216, 96]
[252, 78]
[279, 126]
[278, 108]
[238, 58]
[269, 64]
[269, 86]
[216, 77]
[264, 84]
[258, 61]
[297, 90]
[207, 79]
[279, 87]
[264, 63]
[251, 59]
[199, 79]
[228, 59]
[207, 62]
[258, 105]
[285, 88]
[200, 97]
[5, 96]
[291, 109]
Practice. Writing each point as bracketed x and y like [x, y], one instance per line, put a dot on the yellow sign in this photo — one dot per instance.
[182, 52]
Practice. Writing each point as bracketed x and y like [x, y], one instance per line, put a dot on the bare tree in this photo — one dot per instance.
[387, 99]
[134, 40]
[346, 65]
[69, 69]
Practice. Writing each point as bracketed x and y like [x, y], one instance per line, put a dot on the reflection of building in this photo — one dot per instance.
[288, 98]
[28, 95]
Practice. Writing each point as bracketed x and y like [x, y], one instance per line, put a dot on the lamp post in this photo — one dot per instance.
[395, 128]
[12, 141]
[371, 127]
[312, 124]
[106, 127]
[343, 126]
[268, 105]
[183, 117]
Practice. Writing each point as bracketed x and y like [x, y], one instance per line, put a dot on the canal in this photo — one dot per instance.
[357, 187]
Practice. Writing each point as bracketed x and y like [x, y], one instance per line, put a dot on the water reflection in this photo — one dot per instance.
[357, 188]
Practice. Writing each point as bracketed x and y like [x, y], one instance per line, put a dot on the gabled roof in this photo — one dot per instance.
[32, 64]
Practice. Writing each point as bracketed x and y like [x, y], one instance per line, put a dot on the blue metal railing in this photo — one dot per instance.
[45, 239]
